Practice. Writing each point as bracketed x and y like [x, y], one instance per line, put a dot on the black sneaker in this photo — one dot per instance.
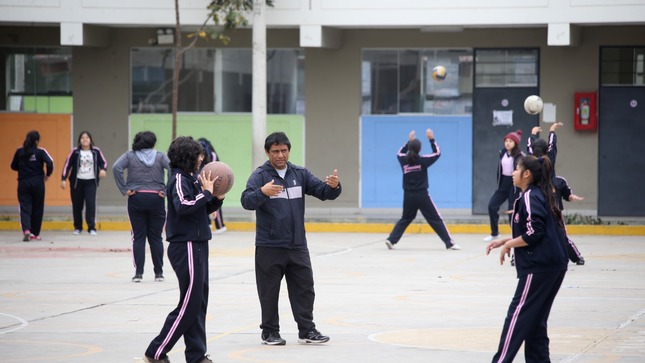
[580, 262]
[159, 278]
[206, 359]
[137, 278]
[313, 337]
[273, 338]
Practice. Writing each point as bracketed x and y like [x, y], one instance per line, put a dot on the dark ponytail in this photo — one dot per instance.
[414, 147]
[542, 171]
[30, 144]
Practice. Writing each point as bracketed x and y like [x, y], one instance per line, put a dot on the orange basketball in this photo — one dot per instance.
[218, 168]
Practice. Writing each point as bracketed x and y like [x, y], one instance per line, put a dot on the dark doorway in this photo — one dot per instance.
[621, 162]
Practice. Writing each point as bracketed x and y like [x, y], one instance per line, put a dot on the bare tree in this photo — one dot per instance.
[226, 15]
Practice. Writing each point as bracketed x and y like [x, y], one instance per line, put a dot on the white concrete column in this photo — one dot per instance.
[259, 82]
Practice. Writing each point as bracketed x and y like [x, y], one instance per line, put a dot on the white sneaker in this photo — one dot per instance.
[390, 245]
[454, 247]
[221, 230]
[490, 238]
[76, 232]
[92, 233]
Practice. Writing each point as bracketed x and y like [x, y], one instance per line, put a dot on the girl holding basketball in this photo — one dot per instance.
[190, 201]
[540, 260]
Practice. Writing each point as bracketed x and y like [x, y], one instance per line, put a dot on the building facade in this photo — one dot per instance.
[347, 80]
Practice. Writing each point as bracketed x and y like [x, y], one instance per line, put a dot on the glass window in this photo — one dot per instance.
[35, 78]
[506, 67]
[216, 80]
[622, 66]
[400, 81]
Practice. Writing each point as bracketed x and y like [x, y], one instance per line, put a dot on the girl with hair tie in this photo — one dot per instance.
[29, 161]
[538, 241]
[415, 191]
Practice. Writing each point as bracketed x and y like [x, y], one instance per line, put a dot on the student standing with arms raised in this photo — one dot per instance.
[415, 191]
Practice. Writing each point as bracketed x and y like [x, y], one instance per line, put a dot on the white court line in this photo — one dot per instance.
[596, 342]
[23, 323]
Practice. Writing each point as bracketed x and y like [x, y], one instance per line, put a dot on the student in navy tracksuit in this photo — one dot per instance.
[190, 201]
[29, 161]
[539, 147]
[84, 167]
[415, 191]
[211, 155]
[508, 158]
[563, 191]
[540, 259]
[276, 192]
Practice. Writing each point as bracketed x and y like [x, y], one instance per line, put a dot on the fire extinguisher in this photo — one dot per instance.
[584, 113]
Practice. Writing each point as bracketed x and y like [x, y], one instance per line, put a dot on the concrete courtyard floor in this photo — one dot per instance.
[69, 299]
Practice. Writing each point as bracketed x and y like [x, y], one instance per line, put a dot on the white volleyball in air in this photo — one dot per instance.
[533, 105]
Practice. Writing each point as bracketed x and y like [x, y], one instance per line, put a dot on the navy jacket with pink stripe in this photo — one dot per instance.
[534, 221]
[188, 208]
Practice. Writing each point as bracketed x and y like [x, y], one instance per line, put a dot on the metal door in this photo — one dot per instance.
[621, 161]
[488, 136]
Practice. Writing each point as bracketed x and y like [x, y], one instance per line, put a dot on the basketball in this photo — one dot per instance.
[218, 168]
[533, 105]
[439, 73]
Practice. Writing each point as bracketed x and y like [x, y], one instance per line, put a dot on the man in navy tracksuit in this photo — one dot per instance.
[276, 192]
[190, 201]
[539, 243]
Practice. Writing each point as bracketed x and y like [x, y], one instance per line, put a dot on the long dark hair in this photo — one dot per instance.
[414, 148]
[30, 144]
[515, 151]
[542, 171]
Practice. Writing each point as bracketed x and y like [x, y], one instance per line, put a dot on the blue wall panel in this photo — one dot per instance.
[450, 178]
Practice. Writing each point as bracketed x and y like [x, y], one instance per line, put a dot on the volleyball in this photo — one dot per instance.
[225, 183]
[439, 73]
[533, 105]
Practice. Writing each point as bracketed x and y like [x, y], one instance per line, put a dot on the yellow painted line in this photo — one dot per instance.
[339, 227]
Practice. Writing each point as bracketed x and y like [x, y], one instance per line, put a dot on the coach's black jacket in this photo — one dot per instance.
[280, 220]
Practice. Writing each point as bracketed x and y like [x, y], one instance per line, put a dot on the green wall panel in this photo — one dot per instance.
[48, 104]
[231, 135]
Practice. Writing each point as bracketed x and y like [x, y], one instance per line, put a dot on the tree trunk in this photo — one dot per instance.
[176, 70]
